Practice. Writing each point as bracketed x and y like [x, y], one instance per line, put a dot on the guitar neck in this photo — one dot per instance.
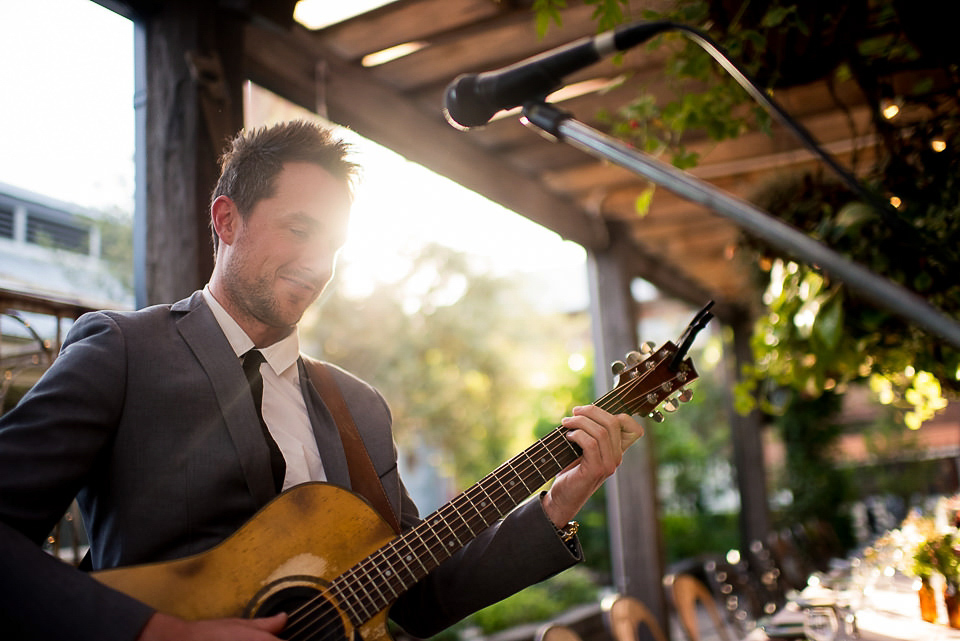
[378, 580]
[381, 578]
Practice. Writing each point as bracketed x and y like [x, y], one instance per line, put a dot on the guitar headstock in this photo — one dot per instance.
[649, 378]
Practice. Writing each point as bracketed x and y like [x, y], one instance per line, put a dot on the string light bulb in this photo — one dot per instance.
[889, 108]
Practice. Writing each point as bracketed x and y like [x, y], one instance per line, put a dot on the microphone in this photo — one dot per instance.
[472, 99]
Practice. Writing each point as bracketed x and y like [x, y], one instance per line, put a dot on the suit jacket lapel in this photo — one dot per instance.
[199, 329]
[326, 432]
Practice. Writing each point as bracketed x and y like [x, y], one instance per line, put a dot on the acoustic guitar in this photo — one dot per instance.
[326, 557]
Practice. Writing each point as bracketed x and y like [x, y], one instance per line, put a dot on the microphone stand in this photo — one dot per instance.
[561, 126]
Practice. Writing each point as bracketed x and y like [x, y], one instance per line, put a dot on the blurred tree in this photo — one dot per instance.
[116, 244]
[466, 363]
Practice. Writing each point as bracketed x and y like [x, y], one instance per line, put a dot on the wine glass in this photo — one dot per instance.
[820, 624]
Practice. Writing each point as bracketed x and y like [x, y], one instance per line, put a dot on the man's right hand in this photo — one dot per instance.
[163, 627]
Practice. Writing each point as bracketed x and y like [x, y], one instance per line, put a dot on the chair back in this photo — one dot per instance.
[624, 615]
[557, 632]
[689, 593]
[735, 593]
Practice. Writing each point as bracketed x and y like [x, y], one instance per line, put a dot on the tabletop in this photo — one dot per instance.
[886, 610]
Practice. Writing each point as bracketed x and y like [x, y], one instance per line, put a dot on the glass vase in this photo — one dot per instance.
[951, 599]
[928, 601]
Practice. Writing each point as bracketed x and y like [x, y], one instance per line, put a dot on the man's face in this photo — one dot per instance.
[283, 253]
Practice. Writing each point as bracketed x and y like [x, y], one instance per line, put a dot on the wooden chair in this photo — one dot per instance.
[689, 594]
[624, 615]
[793, 564]
[557, 632]
[768, 576]
[732, 588]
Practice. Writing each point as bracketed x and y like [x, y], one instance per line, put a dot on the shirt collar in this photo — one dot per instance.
[280, 355]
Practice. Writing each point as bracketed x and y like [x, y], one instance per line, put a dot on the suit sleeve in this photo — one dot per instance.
[50, 445]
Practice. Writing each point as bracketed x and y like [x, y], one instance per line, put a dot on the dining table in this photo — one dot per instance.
[855, 604]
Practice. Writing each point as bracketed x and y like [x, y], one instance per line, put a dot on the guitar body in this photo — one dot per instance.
[287, 553]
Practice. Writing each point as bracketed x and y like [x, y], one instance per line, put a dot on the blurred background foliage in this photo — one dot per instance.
[466, 362]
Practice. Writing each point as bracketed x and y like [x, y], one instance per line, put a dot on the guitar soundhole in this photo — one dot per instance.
[310, 616]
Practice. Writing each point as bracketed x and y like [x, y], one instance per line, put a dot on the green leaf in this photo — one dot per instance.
[642, 204]
[776, 15]
[829, 324]
[546, 11]
[851, 216]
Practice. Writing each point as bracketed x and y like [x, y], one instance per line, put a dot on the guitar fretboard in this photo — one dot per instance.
[409, 558]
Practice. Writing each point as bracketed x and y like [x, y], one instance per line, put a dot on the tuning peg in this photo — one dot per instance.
[648, 347]
[671, 405]
[634, 357]
[685, 395]
[657, 417]
[617, 367]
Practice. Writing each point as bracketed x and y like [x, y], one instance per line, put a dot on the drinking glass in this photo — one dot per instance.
[820, 624]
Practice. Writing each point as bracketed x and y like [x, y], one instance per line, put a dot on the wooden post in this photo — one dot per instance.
[194, 99]
[636, 543]
[746, 432]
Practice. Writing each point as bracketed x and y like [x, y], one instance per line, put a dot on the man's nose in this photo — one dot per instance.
[319, 259]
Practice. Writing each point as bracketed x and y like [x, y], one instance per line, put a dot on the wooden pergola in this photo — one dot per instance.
[193, 57]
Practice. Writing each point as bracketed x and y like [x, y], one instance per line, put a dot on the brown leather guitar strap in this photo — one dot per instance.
[363, 476]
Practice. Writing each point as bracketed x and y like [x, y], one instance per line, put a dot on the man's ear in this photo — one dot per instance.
[226, 218]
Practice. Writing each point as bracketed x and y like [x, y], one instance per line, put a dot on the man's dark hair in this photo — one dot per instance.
[250, 165]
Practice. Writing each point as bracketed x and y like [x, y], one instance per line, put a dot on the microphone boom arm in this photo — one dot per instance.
[880, 291]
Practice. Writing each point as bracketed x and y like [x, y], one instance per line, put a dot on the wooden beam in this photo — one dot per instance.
[635, 538]
[482, 47]
[182, 147]
[405, 21]
[746, 434]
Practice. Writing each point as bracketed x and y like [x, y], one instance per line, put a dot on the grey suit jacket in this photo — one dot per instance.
[147, 419]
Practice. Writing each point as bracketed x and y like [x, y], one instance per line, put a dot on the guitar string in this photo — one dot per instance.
[554, 443]
[552, 436]
[543, 442]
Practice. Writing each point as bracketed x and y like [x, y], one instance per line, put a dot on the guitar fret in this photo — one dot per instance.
[389, 573]
[557, 463]
[487, 502]
[344, 588]
[450, 543]
[519, 478]
[360, 600]
[383, 597]
[429, 526]
[473, 534]
[506, 492]
[536, 469]
[542, 461]
[404, 557]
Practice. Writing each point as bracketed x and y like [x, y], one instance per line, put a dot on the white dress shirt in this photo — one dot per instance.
[284, 408]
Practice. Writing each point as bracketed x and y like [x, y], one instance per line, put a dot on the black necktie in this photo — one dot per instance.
[251, 367]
